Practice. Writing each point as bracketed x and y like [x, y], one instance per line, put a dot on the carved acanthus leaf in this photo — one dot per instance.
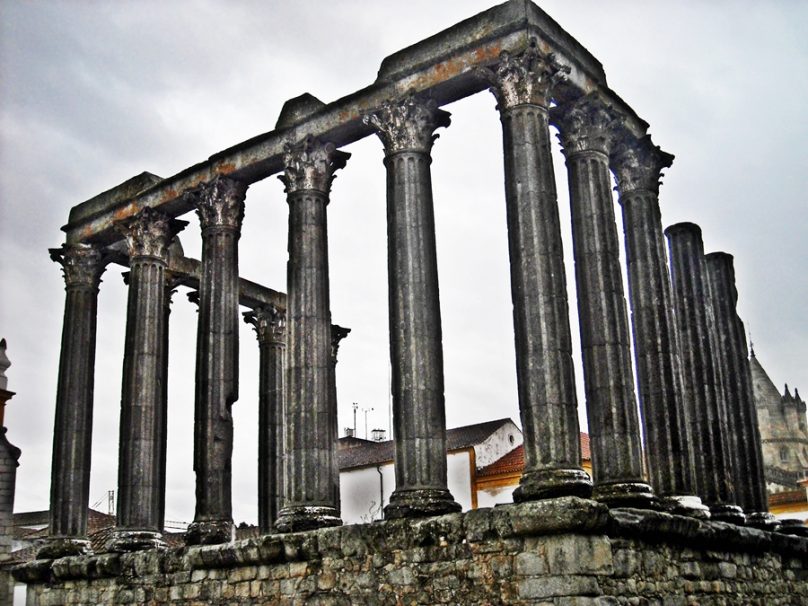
[586, 124]
[408, 124]
[526, 78]
[269, 323]
[149, 233]
[638, 164]
[82, 264]
[220, 203]
[311, 164]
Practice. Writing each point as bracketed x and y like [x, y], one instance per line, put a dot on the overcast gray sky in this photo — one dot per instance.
[92, 93]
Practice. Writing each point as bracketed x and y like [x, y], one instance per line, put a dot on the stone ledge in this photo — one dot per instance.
[470, 530]
[656, 527]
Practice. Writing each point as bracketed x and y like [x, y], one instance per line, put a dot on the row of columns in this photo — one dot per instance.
[689, 343]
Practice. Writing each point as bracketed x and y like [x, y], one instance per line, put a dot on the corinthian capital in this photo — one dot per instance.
[586, 124]
[149, 233]
[526, 78]
[408, 124]
[638, 164]
[82, 264]
[220, 203]
[311, 164]
[269, 323]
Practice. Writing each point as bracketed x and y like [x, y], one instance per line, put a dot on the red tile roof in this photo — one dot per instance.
[514, 461]
[355, 452]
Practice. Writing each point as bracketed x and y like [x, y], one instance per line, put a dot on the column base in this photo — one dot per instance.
[728, 513]
[60, 547]
[685, 505]
[541, 484]
[420, 503]
[626, 494]
[762, 520]
[124, 540]
[793, 526]
[210, 532]
[297, 518]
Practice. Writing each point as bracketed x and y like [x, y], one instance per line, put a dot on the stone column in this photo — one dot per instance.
[172, 280]
[638, 164]
[141, 461]
[270, 328]
[338, 333]
[545, 374]
[72, 435]
[220, 207]
[587, 133]
[311, 482]
[732, 358]
[693, 314]
[406, 128]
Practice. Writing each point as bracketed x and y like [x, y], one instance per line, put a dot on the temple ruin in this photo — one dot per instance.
[683, 520]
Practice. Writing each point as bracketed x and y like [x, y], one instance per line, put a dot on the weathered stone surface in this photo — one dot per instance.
[270, 327]
[406, 127]
[70, 470]
[311, 477]
[739, 399]
[545, 375]
[707, 420]
[220, 207]
[587, 129]
[632, 557]
[141, 465]
[638, 164]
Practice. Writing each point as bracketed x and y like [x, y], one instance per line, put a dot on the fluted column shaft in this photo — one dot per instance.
[416, 350]
[732, 358]
[220, 207]
[638, 165]
[311, 478]
[693, 311]
[587, 134]
[141, 471]
[544, 368]
[338, 333]
[270, 328]
[73, 428]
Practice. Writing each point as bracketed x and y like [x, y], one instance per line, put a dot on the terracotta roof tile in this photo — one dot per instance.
[355, 452]
[788, 497]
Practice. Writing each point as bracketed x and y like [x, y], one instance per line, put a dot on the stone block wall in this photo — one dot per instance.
[565, 552]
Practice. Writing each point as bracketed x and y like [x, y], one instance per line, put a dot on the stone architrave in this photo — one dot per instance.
[523, 85]
[587, 132]
[72, 437]
[732, 357]
[270, 328]
[637, 164]
[141, 460]
[311, 478]
[406, 128]
[700, 390]
[220, 207]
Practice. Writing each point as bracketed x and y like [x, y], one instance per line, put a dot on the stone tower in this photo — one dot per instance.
[783, 430]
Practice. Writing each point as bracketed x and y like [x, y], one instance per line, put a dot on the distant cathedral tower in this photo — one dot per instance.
[783, 431]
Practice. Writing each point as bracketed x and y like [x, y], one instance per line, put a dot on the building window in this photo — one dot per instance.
[783, 454]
